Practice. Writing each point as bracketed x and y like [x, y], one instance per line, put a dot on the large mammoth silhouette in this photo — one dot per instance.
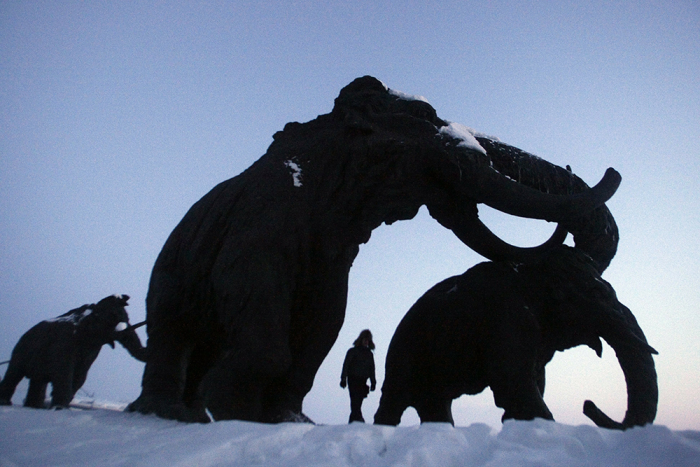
[61, 351]
[498, 325]
[249, 291]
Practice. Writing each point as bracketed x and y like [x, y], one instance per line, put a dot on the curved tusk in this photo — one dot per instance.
[130, 326]
[512, 197]
[477, 236]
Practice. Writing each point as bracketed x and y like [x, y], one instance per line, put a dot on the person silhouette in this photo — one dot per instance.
[358, 367]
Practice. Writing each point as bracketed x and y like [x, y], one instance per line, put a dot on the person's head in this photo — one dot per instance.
[365, 339]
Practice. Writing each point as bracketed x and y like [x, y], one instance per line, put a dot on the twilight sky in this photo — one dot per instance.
[115, 117]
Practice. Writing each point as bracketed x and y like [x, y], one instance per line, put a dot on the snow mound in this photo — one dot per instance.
[78, 437]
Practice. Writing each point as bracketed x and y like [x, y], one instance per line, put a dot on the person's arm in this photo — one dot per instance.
[344, 374]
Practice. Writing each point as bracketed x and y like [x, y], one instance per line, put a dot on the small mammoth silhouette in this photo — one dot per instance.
[498, 325]
[61, 350]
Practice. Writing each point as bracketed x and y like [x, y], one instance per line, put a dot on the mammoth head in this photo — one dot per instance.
[584, 308]
[101, 321]
[450, 168]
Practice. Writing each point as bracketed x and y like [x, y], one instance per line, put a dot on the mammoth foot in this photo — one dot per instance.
[294, 417]
[254, 412]
[170, 410]
[392, 405]
[382, 418]
[37, 404]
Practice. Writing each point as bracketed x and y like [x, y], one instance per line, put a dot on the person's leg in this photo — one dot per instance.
[358, 391]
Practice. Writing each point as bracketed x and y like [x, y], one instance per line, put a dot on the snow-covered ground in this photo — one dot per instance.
[103, 437]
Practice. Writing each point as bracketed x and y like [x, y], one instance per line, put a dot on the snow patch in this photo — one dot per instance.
[407, 97]
[465, 134]
[73, 318]
[296, 172]
[402, 95]
[478, 134]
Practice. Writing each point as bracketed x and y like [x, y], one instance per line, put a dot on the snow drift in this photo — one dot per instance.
[76, 437]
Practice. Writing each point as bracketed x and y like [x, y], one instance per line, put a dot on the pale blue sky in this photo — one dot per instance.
[117, 116]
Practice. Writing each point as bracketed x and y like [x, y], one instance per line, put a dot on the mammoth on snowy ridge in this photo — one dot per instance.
[61, 351]
[249, 291]
[498, 325]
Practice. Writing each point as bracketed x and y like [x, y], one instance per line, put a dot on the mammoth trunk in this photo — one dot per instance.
[131, 342]
[588, 219]
[642, 390]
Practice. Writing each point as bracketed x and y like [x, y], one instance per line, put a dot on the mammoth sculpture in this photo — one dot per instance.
[61, 350]
[249, 291]
[498, 325]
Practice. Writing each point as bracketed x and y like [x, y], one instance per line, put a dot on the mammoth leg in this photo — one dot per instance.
[518, 388]
[62, 389]
[232, 395]
[164, 378]
[399, 383]
[540, 378]
[433, 408]
[236, 387]
[257, 351]
[521, 400]
[391, 408]
[513, 371]
[36, 394]
[8, 385]
[317, 318]
[164, 374]
[203, 358]
[80, 376]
